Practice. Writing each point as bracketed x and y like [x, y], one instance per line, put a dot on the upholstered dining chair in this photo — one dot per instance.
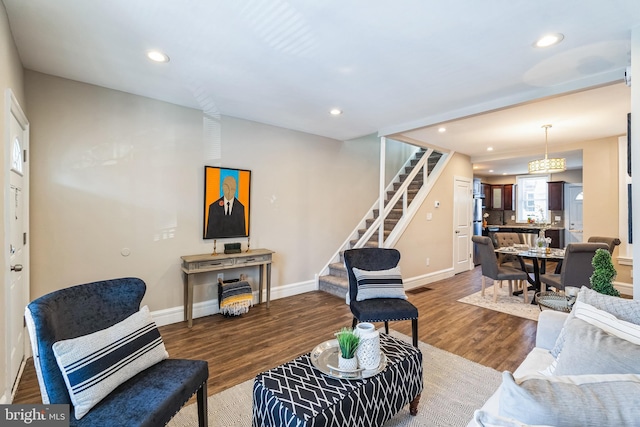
[576, 267]
[509, 239]
[376, 292]
[112, 341]
[612, 242]
[491, 269]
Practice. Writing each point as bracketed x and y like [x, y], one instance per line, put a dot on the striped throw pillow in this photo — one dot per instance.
[94, 365]
[379, 284]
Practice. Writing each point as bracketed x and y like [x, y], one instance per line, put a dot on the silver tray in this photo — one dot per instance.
[325, 358]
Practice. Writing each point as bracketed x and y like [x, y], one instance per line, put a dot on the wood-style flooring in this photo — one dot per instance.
[237, 349]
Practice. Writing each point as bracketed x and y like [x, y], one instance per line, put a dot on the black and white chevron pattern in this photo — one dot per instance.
[297, 394]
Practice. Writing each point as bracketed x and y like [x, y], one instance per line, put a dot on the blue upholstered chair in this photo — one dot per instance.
[377, 309]
[151, 397]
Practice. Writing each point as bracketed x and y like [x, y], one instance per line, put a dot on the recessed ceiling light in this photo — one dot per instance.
[335, 112]
[489, 148]
[490, 170]
[442, 130]
[549, 40]
[157, 56]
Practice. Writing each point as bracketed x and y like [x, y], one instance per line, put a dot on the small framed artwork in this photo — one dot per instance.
[226, 202]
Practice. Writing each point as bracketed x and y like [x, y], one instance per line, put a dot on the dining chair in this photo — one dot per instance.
[576, 267]
[119, 373]
[612, 242]
[509, 239]
[376, 292]
[498, 273]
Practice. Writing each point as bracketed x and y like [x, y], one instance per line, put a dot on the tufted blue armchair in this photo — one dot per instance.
[150, 398]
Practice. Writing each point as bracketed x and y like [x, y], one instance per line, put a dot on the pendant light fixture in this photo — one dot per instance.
[547, 165]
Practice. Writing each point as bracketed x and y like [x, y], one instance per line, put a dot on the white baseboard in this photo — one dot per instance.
[207, 308]
[624, 288]
[425, 279]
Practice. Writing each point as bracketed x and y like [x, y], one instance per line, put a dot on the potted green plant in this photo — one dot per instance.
[348, 343]
[603, 273]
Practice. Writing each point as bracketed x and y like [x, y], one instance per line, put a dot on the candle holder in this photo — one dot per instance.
[214, 248]
[248, 243]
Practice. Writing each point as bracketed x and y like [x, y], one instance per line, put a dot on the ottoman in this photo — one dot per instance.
[298, 394]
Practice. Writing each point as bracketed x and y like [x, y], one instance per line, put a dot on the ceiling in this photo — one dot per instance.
[394, 68]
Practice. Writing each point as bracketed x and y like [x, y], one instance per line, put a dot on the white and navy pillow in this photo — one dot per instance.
[379, 284]
[94, 365]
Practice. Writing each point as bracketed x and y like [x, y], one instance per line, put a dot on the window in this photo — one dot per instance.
[532, 198]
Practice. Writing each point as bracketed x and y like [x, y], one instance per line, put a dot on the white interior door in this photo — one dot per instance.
[462, 205]
[17, 282]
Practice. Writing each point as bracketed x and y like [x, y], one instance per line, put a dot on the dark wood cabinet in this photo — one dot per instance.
[507, 194]
[486, 191]
[557, 238]
[502, 197]
[555, 195]
[497, 198]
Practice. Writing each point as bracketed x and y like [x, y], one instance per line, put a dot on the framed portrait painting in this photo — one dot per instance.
[226, 202]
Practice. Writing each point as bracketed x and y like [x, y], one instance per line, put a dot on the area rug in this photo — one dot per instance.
[506, 303]
[453, 388]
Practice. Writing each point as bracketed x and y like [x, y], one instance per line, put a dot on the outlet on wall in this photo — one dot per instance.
[427, 261]
[221, 276]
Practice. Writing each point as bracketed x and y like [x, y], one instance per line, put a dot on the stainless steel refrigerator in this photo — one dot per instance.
[477, 224]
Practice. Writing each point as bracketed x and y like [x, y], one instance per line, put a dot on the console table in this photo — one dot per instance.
[205, 263]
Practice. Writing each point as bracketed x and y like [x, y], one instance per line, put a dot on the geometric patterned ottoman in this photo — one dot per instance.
[297, 394]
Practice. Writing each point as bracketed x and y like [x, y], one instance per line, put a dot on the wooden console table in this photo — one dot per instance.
[195, 264]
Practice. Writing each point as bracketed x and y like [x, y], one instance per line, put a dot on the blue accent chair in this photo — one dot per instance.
[377, 309]
[151, 398]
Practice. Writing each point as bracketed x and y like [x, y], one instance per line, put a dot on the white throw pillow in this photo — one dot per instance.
[379, 284]
[94, 365]
[570, 401]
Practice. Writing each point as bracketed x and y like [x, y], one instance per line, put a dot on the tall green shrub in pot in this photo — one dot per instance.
[603, 273]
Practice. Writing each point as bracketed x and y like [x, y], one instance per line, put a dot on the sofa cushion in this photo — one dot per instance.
[379, 284]
[569, 401]
[590, 350]
[487, 419]
[94, 365]
[623, 309]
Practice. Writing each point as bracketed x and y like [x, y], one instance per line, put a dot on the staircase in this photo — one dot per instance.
[403, 198]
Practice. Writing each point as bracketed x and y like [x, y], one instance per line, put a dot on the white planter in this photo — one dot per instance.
[368, 352]
[347, 364]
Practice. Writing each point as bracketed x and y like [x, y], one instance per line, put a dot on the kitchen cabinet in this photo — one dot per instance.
[486, 191]
[555, 195]
[507, 194]
[557, 238]
[497, 197]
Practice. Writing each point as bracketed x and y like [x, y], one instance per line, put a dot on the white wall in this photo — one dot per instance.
[112, 171]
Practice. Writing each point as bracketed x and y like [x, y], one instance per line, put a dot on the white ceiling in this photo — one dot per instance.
[390, 66]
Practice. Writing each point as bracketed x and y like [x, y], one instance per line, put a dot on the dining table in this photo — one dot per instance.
[538, 257]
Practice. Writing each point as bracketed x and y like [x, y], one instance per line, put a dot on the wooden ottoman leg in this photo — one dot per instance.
[413, 406]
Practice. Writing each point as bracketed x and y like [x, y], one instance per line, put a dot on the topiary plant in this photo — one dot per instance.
[603, 273]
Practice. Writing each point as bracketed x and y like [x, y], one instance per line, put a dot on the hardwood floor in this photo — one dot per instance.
[237, 349]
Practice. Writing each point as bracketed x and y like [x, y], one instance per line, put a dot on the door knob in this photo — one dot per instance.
[17, 267]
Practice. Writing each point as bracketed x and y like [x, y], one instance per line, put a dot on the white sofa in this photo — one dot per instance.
[549, 326]
[597, 382]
